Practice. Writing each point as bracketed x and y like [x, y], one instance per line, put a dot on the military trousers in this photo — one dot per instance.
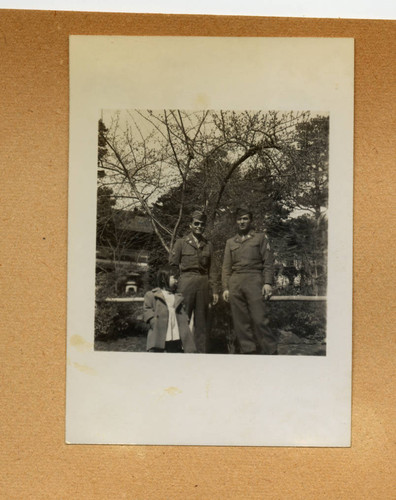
[195, 289]
[249, 317]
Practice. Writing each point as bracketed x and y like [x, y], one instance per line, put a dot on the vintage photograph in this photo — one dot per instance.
[210, 241]
[211, 231]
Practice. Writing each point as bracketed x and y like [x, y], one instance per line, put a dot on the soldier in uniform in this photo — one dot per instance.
[192, 256]
[247, 276]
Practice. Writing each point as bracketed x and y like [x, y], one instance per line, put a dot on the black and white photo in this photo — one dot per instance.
[210, 241]
[223, 197]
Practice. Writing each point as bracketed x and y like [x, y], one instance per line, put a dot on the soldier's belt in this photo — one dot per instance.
[248, 271]
[195, 271]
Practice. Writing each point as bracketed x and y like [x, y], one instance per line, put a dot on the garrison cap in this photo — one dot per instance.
[243, 211]
[199, 215]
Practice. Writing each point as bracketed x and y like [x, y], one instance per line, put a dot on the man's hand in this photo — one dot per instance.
[226, 295]
[267, 291]
[215, 298]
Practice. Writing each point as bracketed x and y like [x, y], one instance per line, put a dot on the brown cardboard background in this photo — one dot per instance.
[35, 461]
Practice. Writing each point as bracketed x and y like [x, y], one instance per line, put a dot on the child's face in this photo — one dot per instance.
[172, 282]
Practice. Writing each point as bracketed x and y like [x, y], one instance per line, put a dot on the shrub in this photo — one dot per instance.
[115, 319]
[304, 319]
[307, 320]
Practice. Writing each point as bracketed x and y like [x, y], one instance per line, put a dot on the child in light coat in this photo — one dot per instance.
[164, 312]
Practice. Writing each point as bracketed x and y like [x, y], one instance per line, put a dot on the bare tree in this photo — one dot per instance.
[149, 153]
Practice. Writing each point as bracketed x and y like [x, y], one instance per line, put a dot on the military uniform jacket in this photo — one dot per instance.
[187, 256]
[252, 255]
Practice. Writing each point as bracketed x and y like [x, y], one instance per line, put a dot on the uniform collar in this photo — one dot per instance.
[191, 240]
[250, 235]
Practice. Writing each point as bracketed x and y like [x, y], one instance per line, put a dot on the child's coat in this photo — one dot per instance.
[157, 316]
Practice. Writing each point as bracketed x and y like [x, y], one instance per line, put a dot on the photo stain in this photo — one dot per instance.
[172, 391]
[84, 369]
[202, 101]
[140, 452]
[80, 344]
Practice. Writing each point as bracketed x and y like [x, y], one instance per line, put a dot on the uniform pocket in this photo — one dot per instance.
[253, 250]
[235, 251]
[235, 246]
